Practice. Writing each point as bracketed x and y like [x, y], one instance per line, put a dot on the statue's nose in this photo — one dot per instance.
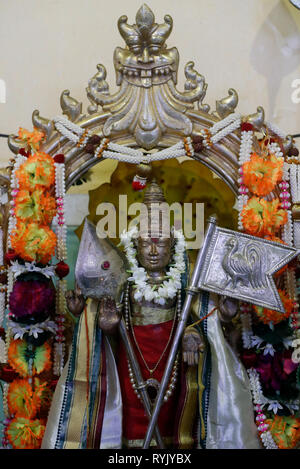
[153, 249]
[145, 57]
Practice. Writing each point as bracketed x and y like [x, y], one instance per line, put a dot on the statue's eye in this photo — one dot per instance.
[105, 265]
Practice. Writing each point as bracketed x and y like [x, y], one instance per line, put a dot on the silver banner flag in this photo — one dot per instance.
[241, 266]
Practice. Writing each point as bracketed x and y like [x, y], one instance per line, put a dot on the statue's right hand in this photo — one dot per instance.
[109, 315]
[75, 301]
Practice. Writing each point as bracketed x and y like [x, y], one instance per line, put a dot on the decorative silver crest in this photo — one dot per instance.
[148, 102]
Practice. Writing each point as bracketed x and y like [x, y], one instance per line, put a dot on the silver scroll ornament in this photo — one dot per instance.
[101, 267]
[241, 266]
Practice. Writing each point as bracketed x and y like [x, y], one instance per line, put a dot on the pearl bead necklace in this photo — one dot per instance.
[258, 399]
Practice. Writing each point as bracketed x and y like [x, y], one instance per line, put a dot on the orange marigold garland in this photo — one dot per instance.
[268, 316]
[262, 218]
[38, 170]
[20, 353]
[285, 430]
[261, 174]
[38, 206]
[33, 242]
[31, 139]
[24, 433]
[34, 183]
[22, 400]
[25, 400]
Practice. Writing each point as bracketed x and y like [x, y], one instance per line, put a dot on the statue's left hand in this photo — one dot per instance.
[192, 344]
[228, 308]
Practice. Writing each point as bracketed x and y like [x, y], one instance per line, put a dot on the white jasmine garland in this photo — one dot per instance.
[169, 288]
[34, 330]
[226, 130]
[224, 123]
[246, 146]
[19, 269]
[276, 130]
[74, 132]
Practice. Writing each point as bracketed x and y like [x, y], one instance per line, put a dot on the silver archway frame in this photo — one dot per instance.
[147, 111]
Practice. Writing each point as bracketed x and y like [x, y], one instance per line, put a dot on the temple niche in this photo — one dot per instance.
[129, 308]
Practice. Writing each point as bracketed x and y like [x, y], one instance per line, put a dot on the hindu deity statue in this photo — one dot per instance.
[98, 401]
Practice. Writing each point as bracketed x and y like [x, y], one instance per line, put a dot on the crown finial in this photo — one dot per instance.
[153, 194]
[145, 33]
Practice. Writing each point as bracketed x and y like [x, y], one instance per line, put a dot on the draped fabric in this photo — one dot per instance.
[230, 418]
[103, 416]
[83, 414]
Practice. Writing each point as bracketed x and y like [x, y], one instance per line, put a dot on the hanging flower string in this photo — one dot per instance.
[261, 214]
[244, 156]
[62, 269]
[32, 244]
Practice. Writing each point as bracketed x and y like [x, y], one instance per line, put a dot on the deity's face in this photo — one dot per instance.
[154, 254]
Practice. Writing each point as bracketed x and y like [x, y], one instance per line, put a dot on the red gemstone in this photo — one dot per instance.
[105, 265]
[59, 158]
[155, 240]
[10, 256]
[62, 269]
[138, 186]
[246, 126]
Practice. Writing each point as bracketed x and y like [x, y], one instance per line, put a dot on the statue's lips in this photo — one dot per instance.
[153, 260]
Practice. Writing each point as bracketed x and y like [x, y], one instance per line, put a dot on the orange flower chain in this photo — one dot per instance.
[37, 191]
[262, 213]
[261, 174]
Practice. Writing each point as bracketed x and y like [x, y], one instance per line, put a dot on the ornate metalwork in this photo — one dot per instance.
[93, 280]
[147, 110]
[244, 269]
[244, 266]
[148, 103]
